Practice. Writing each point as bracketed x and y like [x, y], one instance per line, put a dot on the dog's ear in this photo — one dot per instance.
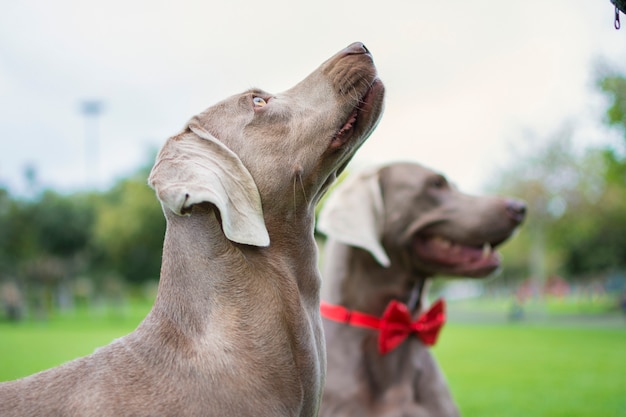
[195, 167]
[354, 215]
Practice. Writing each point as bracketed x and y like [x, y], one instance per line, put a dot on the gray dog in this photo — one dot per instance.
[235, 329]
[389, 231]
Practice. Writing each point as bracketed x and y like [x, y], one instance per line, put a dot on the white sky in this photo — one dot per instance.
[465, 79]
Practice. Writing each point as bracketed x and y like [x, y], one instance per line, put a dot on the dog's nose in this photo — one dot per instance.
[356, 48]
[516, 210]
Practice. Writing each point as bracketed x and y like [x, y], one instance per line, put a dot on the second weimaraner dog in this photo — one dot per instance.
[235, 329]
[389, 230]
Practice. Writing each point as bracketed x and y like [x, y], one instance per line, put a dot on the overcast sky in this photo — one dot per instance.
[466, 80]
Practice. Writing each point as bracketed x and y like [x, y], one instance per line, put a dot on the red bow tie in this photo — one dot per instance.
[395, 325]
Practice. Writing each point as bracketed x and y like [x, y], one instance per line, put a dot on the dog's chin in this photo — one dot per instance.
[443, 257]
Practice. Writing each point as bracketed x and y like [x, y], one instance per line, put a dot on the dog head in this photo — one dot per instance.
[259, 156]
[409, 215]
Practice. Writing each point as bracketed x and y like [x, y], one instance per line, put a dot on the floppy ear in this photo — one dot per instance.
[195, 167]
[354, 215]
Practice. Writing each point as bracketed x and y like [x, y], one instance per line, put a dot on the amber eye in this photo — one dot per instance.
[259, 102]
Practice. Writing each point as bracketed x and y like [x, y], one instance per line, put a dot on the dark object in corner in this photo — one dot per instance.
[620, 6]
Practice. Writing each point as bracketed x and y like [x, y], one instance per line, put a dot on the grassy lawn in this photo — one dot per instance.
[509, 370]
[32, 346]
[535, 370]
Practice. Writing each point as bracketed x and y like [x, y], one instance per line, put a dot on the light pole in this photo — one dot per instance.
[91, 109]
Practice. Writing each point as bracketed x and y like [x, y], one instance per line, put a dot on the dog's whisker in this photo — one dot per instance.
[355, 94]
[295, 199]
[306, 199]
[349, 90]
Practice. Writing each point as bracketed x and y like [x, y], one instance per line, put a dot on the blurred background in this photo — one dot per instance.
[525, 99]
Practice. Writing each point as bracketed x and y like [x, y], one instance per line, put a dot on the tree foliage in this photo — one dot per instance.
[50, 240]
[576, 226]
[577, 200]
[613, 85]
[129, 229]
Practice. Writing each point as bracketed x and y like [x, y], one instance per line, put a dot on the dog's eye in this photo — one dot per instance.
[438, 182]
[259, 101]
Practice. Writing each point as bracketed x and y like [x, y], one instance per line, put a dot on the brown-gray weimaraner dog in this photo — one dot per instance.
[389, 230]
[235, 329]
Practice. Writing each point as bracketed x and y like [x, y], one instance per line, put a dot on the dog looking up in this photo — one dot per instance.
[389, 231]
[235, 329]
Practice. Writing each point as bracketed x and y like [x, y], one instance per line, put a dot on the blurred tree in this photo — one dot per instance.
[44, 243]
[577, 201]
[613, 85]
[129, 230]
[62, 223]
[560, 186]
[51, 224]
[48, 240]
[598, 237]
[6, 204]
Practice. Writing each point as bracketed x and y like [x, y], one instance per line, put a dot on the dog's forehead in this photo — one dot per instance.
[412, 174]
[227, 117]
[238, 112]
[405, 181]
[236, 104]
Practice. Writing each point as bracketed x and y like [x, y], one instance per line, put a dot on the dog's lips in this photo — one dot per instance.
[363, 110]
[455, 258]
[347, 127]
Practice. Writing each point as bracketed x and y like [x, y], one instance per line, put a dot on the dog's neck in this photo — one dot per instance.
[346, 267]
[243, 303]
[417, 294]
[202, 269]
[346, 286]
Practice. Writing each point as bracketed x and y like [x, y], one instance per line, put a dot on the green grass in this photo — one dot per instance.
[499, 370]
[553, 307]
[535, 370]
[33, 346]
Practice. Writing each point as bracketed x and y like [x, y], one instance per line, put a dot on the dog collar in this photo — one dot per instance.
[395, 325]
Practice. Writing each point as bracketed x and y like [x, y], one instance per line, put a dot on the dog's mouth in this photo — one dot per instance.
[348, 126]
[449, 257]
[359, 122]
